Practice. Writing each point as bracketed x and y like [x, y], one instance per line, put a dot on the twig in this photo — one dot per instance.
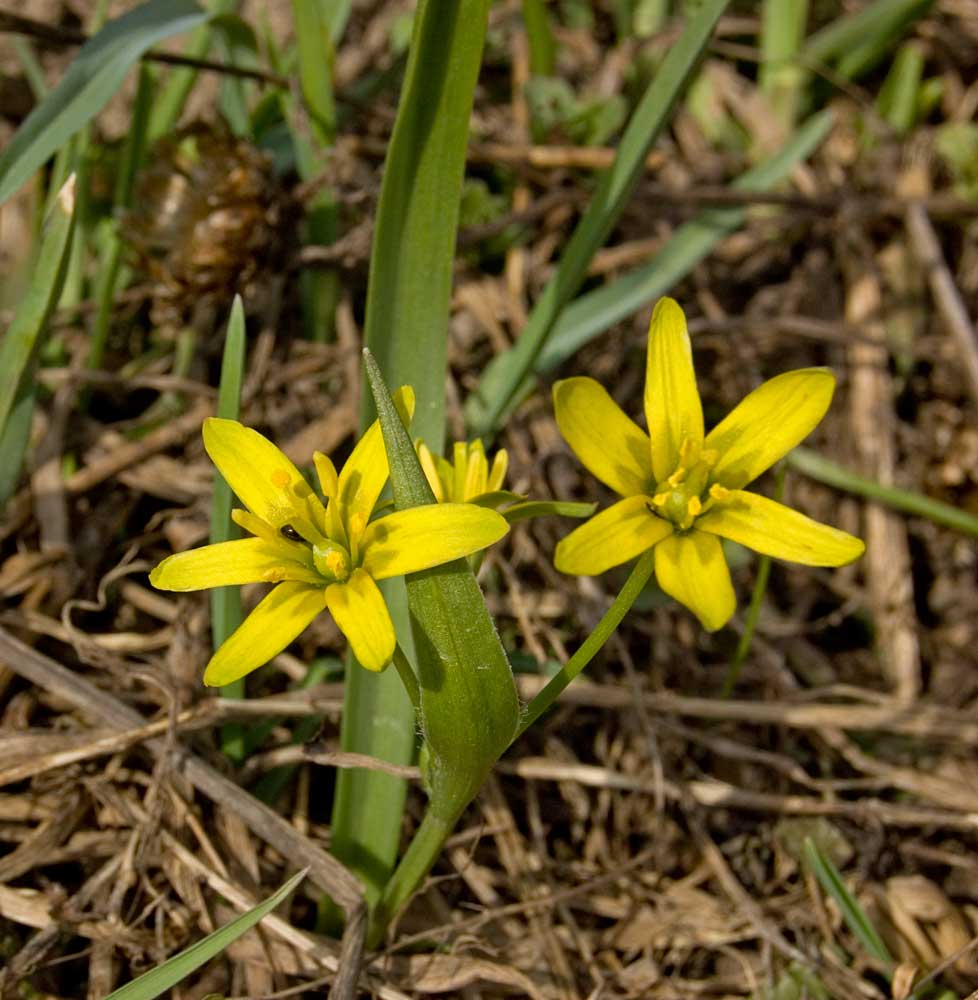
[927, 249]
[17, 25]
[331, 876]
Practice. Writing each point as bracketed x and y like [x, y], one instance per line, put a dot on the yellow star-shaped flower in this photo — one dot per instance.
[320, 556]
[683, 491]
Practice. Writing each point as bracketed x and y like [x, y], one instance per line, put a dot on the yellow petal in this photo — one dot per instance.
[366, 470]
[691, 569]
[611, 446]
[265, 481]
[361, 614]
[772, 529]
[246, 560]
[430, 469]
[623, 531]
[277, 620]
[768, 423]
[672, 404]
[411, 540]
[497, 474]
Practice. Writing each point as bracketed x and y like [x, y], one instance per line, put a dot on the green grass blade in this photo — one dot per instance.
[93, 77]
[408, 303]
[780, 75]
[505, 374]
[226, 614]
[167, 975]
[14, 440]
[543, 48]
[824, 470]
[853, 914]
[23, 338]
[314, 46]
[110, 260]
[596, 311]
[854, 43]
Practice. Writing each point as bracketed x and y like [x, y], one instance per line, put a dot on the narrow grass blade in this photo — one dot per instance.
[824, 470]
[408, 302]
[110, 259]
[853, 914]
[854, 43]
[898, 99]
[543, 48]
[167, 975]
[94, 76]
[596, 311]
[23, 338]
[780, 75]
[14, 440]
[505, 374]
[226, 612]
[314, 46]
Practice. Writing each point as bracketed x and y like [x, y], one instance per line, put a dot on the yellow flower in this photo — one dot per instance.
[319, 556]
[684, 491]
[468, 477]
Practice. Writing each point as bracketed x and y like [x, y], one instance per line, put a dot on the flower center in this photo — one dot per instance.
[332, 561]
[682, 496]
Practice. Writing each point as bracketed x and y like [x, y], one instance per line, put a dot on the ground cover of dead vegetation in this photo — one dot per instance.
[645, 840]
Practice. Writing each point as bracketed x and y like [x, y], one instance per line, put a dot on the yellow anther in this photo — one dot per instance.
[274, 574]
[660, 499]
[693, 506]
[709, 456]
[357, 523]
[719, 492]
[687, 451]
[280, 479]
[676, 478]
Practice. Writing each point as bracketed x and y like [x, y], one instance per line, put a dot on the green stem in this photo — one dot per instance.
[754, 609]
[421, 854]
[406, 672]
[602, 633]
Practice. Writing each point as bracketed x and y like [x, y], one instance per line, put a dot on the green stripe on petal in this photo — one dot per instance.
[622, 532]
[408, 541]
[610, 445]
[358, 607]
[672, 404]
[366, 470]
[278, 619]
[262, 478]
[245, 560]
[768, 423]
[772, 529]
[691, 569]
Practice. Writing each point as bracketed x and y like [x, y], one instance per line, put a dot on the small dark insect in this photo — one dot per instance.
[287, 531]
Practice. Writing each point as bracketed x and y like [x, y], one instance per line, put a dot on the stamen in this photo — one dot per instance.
[719, 492]
[357, 524]
[687, 451]
[709, 456]
[660, 499]
[693, 506]
[675, 480]
[274, 574]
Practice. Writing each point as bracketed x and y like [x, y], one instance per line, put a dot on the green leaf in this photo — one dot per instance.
[505, 374]
[408, 301]
[164, 976]
[596, 311]
[226, 613]
[853, 914]
[93, 77]
[469, 708]
[547, 508]
[24, 336]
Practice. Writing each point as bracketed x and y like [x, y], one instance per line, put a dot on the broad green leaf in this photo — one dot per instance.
[24, 336]
[167, 975]
[93, 77]
[505, 374]
[547, 508]
[408, 301]
[469, 708]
